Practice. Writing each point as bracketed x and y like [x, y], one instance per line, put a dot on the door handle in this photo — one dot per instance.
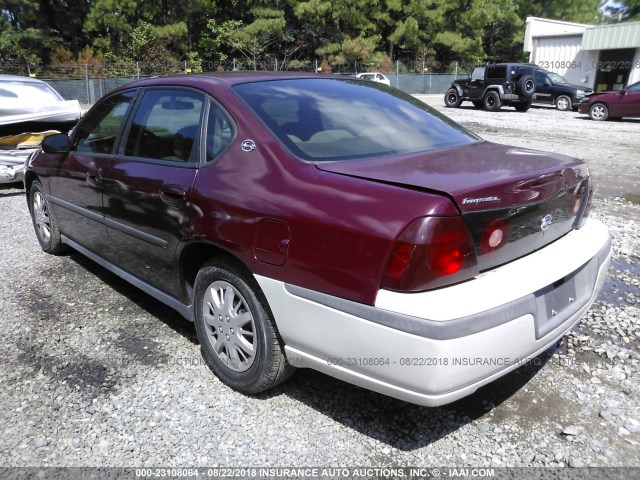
[94, 176]
[173, 194]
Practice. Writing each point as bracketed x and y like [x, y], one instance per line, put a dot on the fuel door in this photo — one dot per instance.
[272, 241]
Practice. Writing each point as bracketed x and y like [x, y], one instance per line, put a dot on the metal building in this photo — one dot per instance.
[602, 57]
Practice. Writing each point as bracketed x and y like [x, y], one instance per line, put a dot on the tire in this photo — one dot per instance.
[527, 86]
[44, 223]
[238, 337]
[452, 98]
[563, 103]
[478, 103]
[492, 102]
[599, 112]
[522, 106]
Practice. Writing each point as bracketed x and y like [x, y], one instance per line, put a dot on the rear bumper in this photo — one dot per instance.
[435, 347]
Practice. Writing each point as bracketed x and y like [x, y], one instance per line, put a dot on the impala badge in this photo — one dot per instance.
[547, 220]
[248, 145]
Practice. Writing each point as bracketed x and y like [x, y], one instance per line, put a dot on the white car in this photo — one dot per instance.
[375, 77]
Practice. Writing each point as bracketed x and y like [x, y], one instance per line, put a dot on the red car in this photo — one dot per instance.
[324, 222]
[605, 105]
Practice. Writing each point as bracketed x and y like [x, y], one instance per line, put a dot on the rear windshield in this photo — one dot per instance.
[334, 119]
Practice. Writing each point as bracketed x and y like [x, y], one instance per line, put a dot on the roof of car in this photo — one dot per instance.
[18, 78]
[228, 78]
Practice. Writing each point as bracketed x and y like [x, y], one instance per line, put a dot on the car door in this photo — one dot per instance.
[629, 103]
[543, 88]
[149, 182]
[76, 186]
[476, 85]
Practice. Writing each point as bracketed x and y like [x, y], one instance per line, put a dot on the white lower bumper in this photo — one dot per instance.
[440, 368]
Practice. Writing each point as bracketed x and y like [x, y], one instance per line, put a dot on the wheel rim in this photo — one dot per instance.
[41, 217]
[231, 329]
[452, 98]
[491, 101]
[563, 103]
[598, 112]
[529, 86]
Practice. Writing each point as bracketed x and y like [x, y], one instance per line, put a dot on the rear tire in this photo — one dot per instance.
[522, 106]
[563, 103]
[599, 112]
[44, 223]
[452, 98]
[492, 102]
[238, 336]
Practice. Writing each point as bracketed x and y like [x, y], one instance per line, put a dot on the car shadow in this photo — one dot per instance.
[396, 423]
[153, 307]
[11, 189]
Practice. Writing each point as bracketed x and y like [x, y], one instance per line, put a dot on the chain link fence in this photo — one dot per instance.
[88, 82]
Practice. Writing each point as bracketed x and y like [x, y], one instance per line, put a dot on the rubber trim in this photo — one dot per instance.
[159, 242]
[185, 310]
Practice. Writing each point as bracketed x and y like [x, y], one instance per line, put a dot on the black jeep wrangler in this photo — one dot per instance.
[495, 85]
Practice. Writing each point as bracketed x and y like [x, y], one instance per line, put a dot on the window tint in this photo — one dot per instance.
[496, 72]
[331, 119]
[219, 132]
[166, 126]
[97, 132]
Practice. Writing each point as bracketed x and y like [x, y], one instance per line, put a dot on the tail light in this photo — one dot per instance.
[431, 252]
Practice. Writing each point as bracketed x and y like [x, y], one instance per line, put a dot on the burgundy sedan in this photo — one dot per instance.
[329, 223]
[605, 105]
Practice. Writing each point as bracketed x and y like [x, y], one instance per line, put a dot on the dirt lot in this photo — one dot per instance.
[95, 372]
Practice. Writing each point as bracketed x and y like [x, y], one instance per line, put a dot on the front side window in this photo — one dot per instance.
[635, 88]
[98, 131]
[166, 126]
[332, 119]
[478, 73]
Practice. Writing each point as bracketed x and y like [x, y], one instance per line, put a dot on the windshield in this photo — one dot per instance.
[555, 78]
[332, 119]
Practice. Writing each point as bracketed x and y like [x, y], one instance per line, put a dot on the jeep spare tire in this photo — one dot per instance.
[527, 85]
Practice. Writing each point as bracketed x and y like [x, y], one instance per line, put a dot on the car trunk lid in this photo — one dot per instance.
[529, 196]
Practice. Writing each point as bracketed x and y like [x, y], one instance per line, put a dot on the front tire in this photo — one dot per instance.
[563, 103]
[44, 223]
[452, 98]
[238, 336]
[599, 112]
[492, 102]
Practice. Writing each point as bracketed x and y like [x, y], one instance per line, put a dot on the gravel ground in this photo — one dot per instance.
[96, 373]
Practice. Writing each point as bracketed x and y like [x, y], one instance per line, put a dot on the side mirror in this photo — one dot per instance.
[622, 91]
[58, 143]
[547, 82]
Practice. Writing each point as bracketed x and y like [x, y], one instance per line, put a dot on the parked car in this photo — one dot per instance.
[605, 105]
[24, 99]
[554, 89]
[491, 87]
[29, 110]
[329, 223]
[375, 77]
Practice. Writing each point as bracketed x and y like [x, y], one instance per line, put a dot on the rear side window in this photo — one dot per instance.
[98, 131]
[220, 132]
[166, 126]
[331, 119]
[497, 71]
